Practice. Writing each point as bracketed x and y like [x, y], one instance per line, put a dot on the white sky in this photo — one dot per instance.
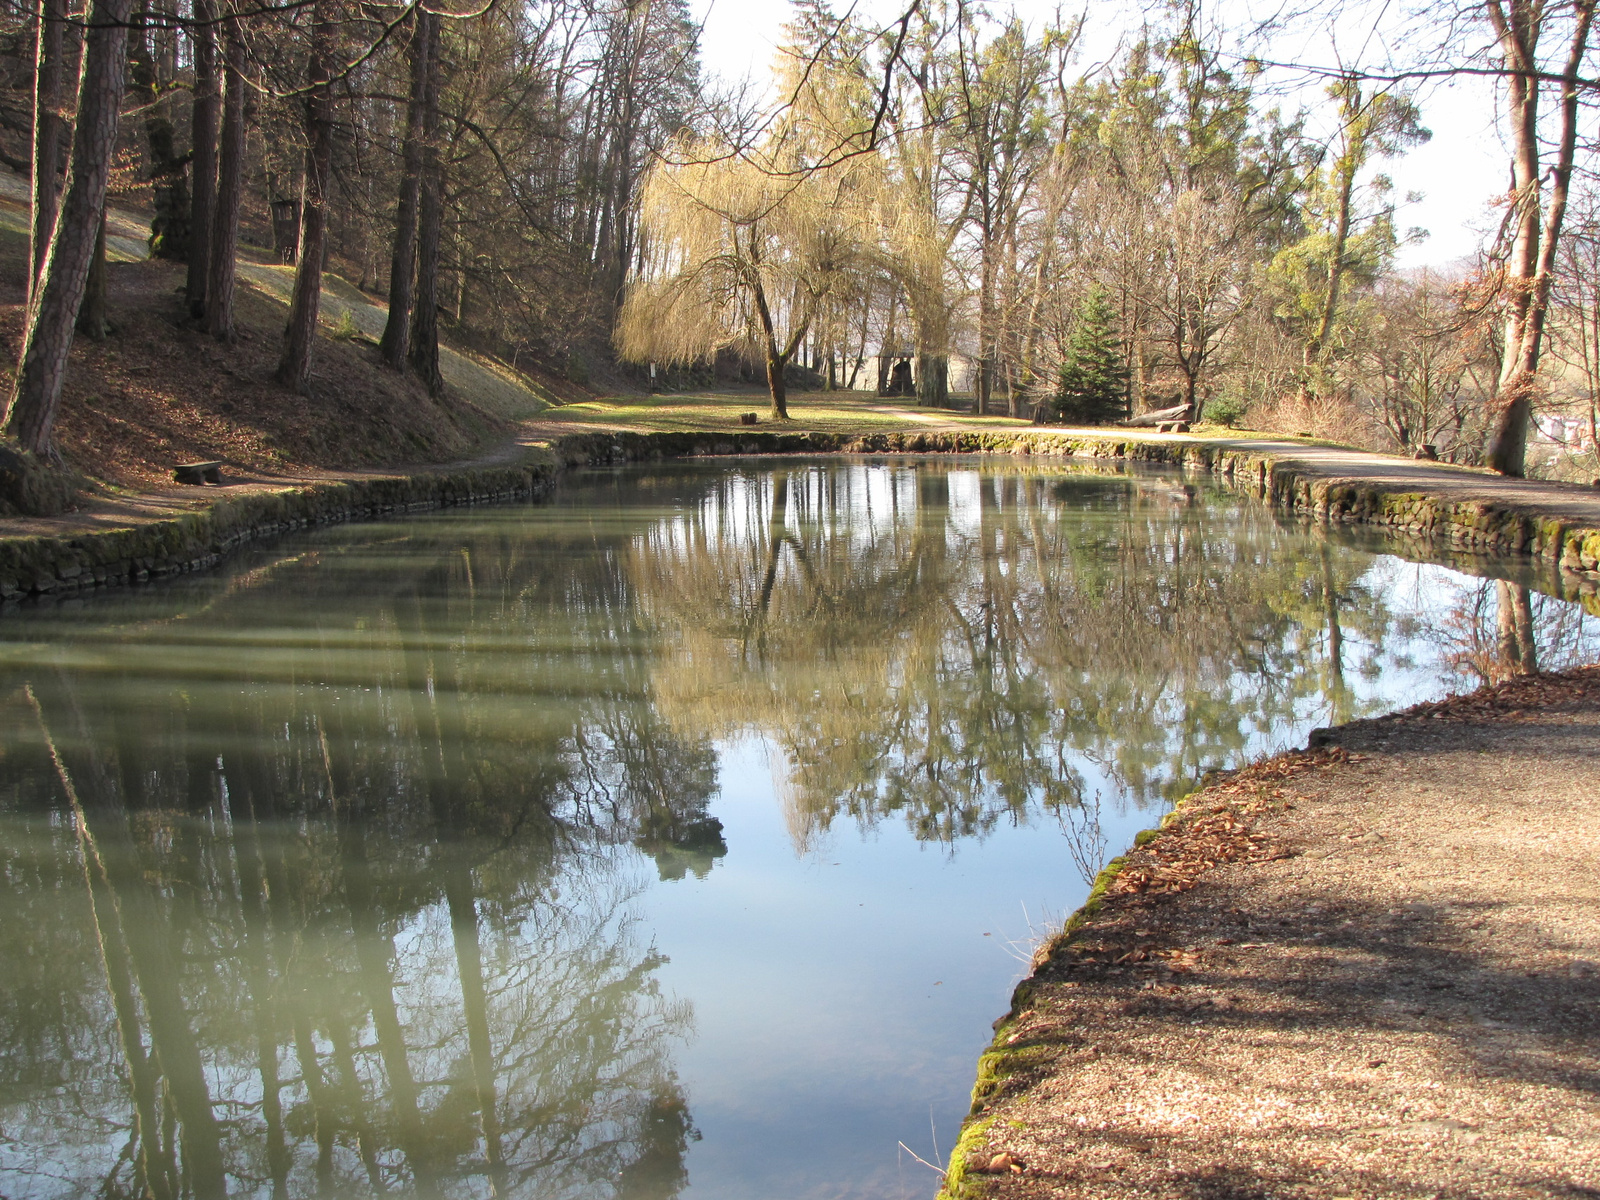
[1458, 173]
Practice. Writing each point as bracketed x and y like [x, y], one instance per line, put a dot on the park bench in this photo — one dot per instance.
[200, 472]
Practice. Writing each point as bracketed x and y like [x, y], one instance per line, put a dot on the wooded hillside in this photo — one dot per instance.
[949, 203]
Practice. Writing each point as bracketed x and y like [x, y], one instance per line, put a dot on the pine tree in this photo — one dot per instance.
[1094, 379]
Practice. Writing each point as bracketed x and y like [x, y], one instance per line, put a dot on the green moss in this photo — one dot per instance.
[958, 1183]
[999, 1064]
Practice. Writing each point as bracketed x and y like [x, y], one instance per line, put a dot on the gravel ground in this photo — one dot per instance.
[1367, 970]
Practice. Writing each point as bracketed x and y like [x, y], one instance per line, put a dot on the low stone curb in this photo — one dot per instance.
[63, 566]
[1563, 557]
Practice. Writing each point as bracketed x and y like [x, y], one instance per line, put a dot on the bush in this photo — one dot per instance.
[1225, 410]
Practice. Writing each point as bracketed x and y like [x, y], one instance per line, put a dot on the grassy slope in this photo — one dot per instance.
[159, 391]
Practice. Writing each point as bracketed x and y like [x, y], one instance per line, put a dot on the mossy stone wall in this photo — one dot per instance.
[1563, 559]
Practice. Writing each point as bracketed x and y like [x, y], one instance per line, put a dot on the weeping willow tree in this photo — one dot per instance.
[745, 252]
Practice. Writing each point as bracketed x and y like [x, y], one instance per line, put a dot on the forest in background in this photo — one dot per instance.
[561, 183]
[1175, 225]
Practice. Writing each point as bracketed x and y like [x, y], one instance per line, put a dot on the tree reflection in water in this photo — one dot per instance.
[954, 647]
[346, 916]
[319, 876]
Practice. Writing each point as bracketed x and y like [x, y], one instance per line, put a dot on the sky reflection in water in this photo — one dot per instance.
[680, 837]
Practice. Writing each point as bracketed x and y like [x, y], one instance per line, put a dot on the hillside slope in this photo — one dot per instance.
[158, 391]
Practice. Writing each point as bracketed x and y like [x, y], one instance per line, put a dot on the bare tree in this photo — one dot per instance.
[220, 270]
[47, 337]
[743, 254]
[402, 269]
[203, 122]
[294, 368]
[430, 215]
[48, 130]
[1536, 223]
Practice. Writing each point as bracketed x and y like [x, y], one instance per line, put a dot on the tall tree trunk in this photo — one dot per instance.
[47, 337]
[890, 347]
[933, 380]
[92, 320]
[430, 217]
[777, 388]
[402, 264]
[203, 120]
[1514, 630]
[1531, 268]
[104, 825]
[469, 969]
[374, 951]
[169, 228]
[220, 269]
[48, 128]
[144, 1075]
[294, 368]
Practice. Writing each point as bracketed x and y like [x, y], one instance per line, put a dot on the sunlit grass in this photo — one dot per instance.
[824, 412]
[836, 412]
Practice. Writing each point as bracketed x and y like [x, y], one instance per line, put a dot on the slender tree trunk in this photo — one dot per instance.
[430, 217]
[294, 368]
[1514, 629]
[169, 228]
[1341, 239]
[373, 953]
[92, 321]
[48, 128]
[47, 337]
[1531, 268]
[104, 824]
[324, 1117]
[402, 265]
[244, 783]
[221, 267]
[143, 1075]
[203, 122]
[890, 345]
[474, 1002]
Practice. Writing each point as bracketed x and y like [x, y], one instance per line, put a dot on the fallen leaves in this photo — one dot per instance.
[1526, 697]
[1002, 1163]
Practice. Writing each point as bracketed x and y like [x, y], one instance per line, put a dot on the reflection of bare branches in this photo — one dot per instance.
[1493, 630]
[1086, 840]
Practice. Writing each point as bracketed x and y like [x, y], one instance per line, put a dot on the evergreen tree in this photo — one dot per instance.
[1094, 379]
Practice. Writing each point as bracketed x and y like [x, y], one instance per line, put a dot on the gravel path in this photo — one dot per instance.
[1367, 970]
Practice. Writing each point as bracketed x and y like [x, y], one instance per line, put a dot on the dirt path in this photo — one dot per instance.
[1370, 970]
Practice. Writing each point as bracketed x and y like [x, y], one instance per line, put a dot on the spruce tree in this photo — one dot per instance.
[1094, 379]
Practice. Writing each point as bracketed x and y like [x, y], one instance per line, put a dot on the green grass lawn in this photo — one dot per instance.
[829, 412]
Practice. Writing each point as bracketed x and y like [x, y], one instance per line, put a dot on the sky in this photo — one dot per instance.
[1457, 175]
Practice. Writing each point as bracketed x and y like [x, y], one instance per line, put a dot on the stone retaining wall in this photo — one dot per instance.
[38, 566]
[1562, 559]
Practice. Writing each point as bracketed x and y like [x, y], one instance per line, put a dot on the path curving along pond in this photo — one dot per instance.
[680, 836]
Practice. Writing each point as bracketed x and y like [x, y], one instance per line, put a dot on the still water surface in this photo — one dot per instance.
[678, 837]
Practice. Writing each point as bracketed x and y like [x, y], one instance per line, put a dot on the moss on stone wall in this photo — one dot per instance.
[1564, 559]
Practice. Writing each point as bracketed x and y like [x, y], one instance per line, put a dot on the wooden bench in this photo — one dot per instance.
[199, 473]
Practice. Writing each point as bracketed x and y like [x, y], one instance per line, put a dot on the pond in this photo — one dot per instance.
[680, 836]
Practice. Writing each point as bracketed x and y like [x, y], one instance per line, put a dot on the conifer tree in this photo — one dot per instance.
[1093, 388]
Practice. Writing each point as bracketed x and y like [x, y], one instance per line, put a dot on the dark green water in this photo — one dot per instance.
[679, 837]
